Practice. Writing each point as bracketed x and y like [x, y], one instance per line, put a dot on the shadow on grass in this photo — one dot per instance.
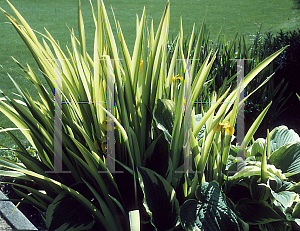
[297, 4]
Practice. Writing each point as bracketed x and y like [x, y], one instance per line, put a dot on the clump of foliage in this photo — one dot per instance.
[274, 189]
[167, 152]
[288, 62]
[285, 68]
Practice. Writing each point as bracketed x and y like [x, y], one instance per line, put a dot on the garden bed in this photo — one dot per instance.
[27, 209]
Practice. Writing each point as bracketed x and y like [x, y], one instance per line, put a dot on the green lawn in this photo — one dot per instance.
[231, 16]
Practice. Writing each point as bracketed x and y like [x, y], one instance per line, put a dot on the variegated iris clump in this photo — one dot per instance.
[150, 179]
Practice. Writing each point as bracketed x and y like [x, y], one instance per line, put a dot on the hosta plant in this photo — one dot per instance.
[151, 103]
[211, 211]
[273, 186]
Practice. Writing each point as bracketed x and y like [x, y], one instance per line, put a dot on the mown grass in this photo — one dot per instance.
[230, 16]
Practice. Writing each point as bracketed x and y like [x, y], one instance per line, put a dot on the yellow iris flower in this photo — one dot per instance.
[141, 65]
[104, 124]
[102, 146]
[225, 128]
[174, 78]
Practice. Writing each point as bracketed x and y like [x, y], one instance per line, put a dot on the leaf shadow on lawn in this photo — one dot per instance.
[297, 4]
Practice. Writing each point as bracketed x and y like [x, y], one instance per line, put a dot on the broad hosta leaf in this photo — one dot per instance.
[285, 198]
[247, 171]
[278, 207]
[190, 215]
[259, 191]
[257, 212]
[159, 199]
[274, 226]
[272, 170]
[281, 135]
[277, 172]
[164, 114]
[212, 213]
[232, 163]
[297, 221]
[287, 157]
[285, 186]
[294, 188]
[258, 147]
[65, 213]
[296, 211]
[157, 160]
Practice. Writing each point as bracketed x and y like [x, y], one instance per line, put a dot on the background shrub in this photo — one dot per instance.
[278, 89]
[288, 64]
